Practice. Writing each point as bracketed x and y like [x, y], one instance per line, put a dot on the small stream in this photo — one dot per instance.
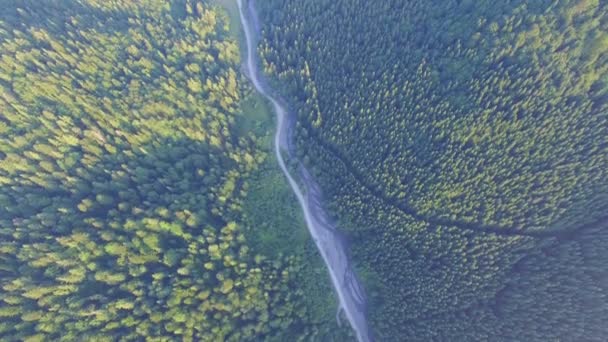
[323, 231]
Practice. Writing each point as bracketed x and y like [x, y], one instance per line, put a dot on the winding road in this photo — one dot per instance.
[322, 229]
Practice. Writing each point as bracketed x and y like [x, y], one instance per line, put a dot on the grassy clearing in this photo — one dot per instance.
[255, 117]
[236, 31]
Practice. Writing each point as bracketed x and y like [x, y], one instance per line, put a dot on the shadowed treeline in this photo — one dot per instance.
[463, 146]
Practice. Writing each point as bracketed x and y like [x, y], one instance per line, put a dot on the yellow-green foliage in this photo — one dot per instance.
[122, 179]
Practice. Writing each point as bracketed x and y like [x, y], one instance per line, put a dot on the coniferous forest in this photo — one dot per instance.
[462, 145]
[138, 197]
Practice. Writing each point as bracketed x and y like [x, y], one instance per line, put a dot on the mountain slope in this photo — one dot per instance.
[463, 146]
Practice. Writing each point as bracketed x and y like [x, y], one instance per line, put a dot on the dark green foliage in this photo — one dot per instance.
[459, 143]
[123, 177]
[279, 230]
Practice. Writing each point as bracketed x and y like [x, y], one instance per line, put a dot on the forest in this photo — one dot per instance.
[138, 197]
[462, 145]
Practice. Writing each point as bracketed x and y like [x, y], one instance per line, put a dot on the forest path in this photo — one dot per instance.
[321, 228]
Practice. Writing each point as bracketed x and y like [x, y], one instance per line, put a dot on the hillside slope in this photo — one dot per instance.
[463, 146]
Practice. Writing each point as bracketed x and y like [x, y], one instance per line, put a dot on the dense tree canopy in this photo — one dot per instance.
[123, 182]
[463, 146]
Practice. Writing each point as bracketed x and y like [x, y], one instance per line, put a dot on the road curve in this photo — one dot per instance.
[323, 231]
